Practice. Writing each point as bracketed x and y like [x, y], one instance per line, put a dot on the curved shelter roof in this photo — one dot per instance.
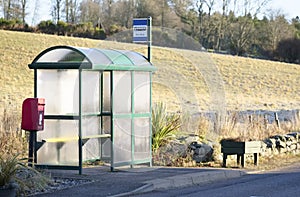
[68, 57]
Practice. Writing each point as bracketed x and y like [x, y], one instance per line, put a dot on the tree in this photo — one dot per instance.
[11, 9]
[89, 11]
[240, 34]
[279, 30]
[188, 16]
[209, 4]
[71, 11]
[127, 11]
[57, 7]
[35, 11]
[260, 45]
[288, 50]
[23, 10]
[221, 28]
[147, 8]
[296, 24]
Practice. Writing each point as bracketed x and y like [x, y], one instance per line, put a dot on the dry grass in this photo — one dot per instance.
[11, 140]
[185, 80]
[260, 84]
[265, 163]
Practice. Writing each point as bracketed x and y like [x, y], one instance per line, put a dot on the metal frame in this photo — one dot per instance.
[87, 66]
[132, 115]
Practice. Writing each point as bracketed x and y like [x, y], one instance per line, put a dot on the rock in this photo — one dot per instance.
[191, 138]
[280, 142]
[293, 147]
[296, 135]
[270, 143]
[201, 152]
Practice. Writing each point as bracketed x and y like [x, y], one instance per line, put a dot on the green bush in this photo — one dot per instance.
[99, 34]
[47, 27]
[164, 125]
[62, 27]
[8, 169]
[12, 24]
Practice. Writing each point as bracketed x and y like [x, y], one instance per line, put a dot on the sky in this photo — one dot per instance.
[290, 8]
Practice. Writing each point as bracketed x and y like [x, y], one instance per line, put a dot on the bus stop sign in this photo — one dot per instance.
[140, 30]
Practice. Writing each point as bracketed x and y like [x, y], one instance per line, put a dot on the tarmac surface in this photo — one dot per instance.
[131, 181]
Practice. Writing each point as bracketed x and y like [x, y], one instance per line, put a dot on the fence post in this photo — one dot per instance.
[277, 120]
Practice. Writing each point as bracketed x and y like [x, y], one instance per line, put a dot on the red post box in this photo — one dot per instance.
[33, 114]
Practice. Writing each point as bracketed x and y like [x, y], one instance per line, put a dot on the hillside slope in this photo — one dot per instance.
[185, 80]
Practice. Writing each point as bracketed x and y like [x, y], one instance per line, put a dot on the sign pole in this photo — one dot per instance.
[142, 32]
[149, 32]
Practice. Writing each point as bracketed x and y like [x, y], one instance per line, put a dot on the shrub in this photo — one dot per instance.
[8, 169]
[13, 161]
[47, 27]
[99, 33]
[164, 125]
[62, 27]
[289, 50]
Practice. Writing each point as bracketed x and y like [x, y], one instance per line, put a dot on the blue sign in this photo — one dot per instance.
[140, 30]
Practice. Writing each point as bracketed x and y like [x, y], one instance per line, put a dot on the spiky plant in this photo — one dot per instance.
[164, 125]
[8, 169]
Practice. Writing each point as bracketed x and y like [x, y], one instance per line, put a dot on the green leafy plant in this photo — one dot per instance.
[14, 170]
[164, 125]
[8, 169]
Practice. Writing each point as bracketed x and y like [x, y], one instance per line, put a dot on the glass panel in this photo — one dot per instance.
[61, 143]
[106, 124]
[142, 92]
[90, 91]
[90, 126]
[96, 56]
[106, 142]
[91, 147]
[60, 90]
[61, 55]
[122, 140]
[122, 92]
[117, 57]
[106, 147]
[142, 138]
[138, 59]
[106, 91]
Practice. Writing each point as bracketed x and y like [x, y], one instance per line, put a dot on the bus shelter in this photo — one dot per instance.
[97, 107]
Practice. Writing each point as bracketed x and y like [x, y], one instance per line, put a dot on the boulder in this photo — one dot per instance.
[201, 152]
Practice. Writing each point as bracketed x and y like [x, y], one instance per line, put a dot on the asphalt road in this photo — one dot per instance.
[277, 183]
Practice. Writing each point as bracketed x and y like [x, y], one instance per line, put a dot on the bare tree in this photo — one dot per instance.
[57, 6]
[89, 11]
[11, 9]
[187, 16]
[221, 25]
[241, 32]
[23, 10]
[127, 11]
[279, 29]
[6, 7]
[209, 4]
[71, 11]
[35, 11]
[67, 9]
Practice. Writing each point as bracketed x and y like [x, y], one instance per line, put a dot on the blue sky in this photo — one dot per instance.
[291, 8]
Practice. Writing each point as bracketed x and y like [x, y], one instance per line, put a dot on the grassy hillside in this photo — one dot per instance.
[185, 80]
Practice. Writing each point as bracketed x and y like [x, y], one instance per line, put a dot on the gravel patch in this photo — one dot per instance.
[58, 184]
[32, 182]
